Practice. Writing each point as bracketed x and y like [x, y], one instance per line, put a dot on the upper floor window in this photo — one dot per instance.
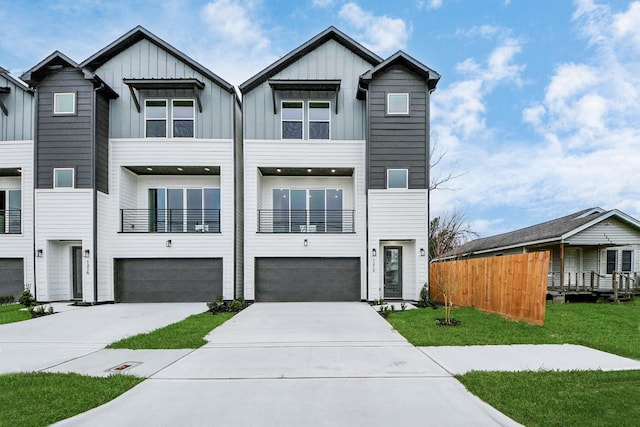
[157, 119]
[63, 178]
[64, 103]
[397, 103]
[319, 119]
[292, 119]
[397, 178]
[10, 211]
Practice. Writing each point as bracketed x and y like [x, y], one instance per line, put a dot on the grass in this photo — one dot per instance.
[40, 399]
[549, 398]
[188, 333]
[12, 313]
[607, 327]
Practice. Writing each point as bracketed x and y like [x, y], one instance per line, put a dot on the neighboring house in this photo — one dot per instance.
[336, 149]
[587, 248]
[135, 161]
[16, 176]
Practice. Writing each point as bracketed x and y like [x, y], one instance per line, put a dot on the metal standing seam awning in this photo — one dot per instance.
[312, 85]
[194, 84]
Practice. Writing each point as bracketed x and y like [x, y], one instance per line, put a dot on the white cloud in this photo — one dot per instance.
[232, 21]
[322, 3]
[627, 25]
[428, 4]
[381, 34]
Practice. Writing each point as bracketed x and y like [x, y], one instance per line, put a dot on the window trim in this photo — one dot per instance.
[173, 119]
[614, 263]
[73, 178]
[166, 117]
[406, 187]
[309, 120]
[622, 254]
[55, 104]
[282, 120]
[402, 113]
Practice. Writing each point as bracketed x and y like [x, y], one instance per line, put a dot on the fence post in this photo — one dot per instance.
[615, 287]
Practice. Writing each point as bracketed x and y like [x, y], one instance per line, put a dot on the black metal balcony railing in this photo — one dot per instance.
[170, 220]
[10, 221]
[306, 221]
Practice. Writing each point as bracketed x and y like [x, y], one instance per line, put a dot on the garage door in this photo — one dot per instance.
[307, 279]
[11, 276]
[168, 279]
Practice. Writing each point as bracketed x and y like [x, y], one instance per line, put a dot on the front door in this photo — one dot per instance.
[393, 272]
[76, 261]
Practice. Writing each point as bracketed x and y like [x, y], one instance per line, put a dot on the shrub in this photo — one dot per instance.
[222, 306]
[27, 299]
[40, 311]
[423, 302]
[7, 299]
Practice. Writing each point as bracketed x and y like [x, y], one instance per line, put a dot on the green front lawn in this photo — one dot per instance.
[614, 328]
[13, 313]
[549, 398]
[188, 333]
[40, 399]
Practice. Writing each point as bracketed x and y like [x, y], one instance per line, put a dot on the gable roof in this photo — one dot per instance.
[431, 76]
[19, 83]
[140, 33]
[331, 33]
[39, 71]
[546, 232]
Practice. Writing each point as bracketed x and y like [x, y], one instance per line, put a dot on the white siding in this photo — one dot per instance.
[398, 216]
[608, 232]
[19, 154]
[257, 190]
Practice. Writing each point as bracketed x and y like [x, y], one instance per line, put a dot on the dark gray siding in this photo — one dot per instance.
[64, 141]
[168, 279]
[102, 144]
[307, 279]
[11, 276]
[398, 142]
[239, 200]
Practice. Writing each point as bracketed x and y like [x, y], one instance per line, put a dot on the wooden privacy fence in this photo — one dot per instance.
[515, 286]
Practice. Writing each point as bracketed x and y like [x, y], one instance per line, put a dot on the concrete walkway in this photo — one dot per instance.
[295, 364]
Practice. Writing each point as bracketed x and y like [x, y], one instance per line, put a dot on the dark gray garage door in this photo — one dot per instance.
[307, 279]
[11, 276]
[168, 279]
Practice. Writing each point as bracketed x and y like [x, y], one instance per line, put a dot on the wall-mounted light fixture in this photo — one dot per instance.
[168, 243]
[422, 253]
[374, 252]
[306, 242]
[86, 253]
[39, 253]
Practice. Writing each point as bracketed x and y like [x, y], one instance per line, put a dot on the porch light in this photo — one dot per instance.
[179, 169]
[39, 253]
[374, 252]
[422, 252]
[150, 169]
[168, 243]
[86, 253]
[306, 242]
[278, 170]
[207, 169]
[309, 170]
[333, 171]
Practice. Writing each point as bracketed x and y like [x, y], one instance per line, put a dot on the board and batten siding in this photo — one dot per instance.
[65, 141]
[17, 125]
[398, 141]
[398, 216]
[610, 232]
[329, 61]
[19, 154]
[146, 60]
[130, 191]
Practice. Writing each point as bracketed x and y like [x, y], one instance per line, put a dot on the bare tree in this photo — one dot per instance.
[436, 182]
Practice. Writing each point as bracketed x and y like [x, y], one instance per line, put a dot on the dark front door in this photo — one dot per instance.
[76, 256]
[393, 272]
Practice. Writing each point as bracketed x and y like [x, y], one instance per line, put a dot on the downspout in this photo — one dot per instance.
[95, 192]
[561, 264]
[34, 177]
[428, 183]
[366, 183]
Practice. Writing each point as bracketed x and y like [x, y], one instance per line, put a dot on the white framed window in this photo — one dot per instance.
[183, 117]
[397, 103]
[308, 210]
[627, 261]
[155, 118]
[64, 103]
[398, 178]
[292, 115]
[63, 178]
[319, 120]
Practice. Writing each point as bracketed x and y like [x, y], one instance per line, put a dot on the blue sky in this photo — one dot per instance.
[537, 111]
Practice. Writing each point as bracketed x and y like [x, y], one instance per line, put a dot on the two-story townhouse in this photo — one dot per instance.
[336, 150]
[16, 183]
[135, 190]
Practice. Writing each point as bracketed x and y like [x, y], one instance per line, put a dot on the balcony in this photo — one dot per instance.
[306, 221]
[10, 221]
[170, 220]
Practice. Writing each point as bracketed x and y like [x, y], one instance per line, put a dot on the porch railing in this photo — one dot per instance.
[10, 221]
[170, 220]
[306, 221]
[583, 281]
[624, 284]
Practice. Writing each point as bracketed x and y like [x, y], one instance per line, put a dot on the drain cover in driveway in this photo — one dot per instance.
[123, 367]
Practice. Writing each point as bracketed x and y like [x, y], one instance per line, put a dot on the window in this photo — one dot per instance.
[397, 103]
[626, 261]
[180, 210]
[10, 211]
[63, 178]
[612, 261]
[155, 112]
[183, 115]
[397, 178]
[307, 210]
[64, 103]
[292, 118]
[319, 119]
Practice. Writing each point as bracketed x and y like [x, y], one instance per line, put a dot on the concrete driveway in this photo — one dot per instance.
[300, 364]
